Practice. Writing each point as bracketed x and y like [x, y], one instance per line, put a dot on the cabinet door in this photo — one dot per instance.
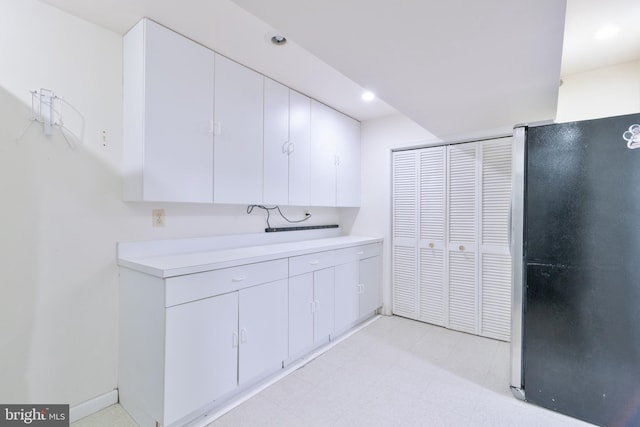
[301, 310]
[432, 195]
[168, 108]
[405, 223]
[300, 138]
[495, 259]
[238, 133]
[323, 298]
[347, 306]
[201, 354]
[462, 246]
[322, 167]
[348, 159]
[370, 285]
[276, 143]
[263, 329]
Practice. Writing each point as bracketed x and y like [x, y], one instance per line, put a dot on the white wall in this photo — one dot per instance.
[604, 92]
[379, 137]
[62, 212]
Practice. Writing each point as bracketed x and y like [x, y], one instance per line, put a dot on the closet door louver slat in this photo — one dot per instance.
[496, 296]
[405, 218]
[404, 281]
[404, 195]
[432, 234]
[462, 245]
[495, 260]
[432, 286]
[451, 261]
[462, 292]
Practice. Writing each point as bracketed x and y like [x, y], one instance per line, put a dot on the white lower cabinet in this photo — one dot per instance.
[347, 295]
[358, 291]
[241, 336]
[190, 342]
[200, 367]
[370, 286]
[311, 306]
[262, 334]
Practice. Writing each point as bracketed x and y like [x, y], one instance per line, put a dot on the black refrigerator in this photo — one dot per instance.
[576, 264]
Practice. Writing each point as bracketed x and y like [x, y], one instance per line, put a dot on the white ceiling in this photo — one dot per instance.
[452, 67]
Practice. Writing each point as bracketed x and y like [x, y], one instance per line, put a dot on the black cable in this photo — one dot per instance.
[269, 209]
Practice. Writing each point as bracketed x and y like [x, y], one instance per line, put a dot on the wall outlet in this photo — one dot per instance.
[157, 217]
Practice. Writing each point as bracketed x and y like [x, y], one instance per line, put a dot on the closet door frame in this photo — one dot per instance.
[420, 244]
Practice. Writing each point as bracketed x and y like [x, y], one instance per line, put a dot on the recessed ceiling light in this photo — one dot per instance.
[278, 40]
[368, 96]
[606, 32]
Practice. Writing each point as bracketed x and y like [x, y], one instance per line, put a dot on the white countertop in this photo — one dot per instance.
[170, 265]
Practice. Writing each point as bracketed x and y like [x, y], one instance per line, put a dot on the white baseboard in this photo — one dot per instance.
[92, 406]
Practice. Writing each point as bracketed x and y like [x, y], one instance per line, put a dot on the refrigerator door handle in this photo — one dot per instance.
[516, 242]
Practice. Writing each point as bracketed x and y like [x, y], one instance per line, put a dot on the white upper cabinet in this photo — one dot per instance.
[276, 143]
[238, 130]
[168, 108]
[348, 162]
[229, 135]
[335, 158]
[287, 134]
[322, 168]
[300, 143]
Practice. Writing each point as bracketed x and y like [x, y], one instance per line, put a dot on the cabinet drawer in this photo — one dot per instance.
[193, 287]
[311, 262]
[357, 253]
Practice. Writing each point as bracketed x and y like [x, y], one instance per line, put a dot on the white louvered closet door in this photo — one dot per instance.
[495, 260]
[405, 221]
[462, 237]
[432, 281]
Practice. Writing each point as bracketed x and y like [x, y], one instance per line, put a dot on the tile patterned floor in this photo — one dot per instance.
[394, 372]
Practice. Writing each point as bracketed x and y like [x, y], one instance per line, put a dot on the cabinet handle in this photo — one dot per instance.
[234, 340]
[285, 147]
[361, 288]
[316, 306]
[238, 279]
[461, 247]
[211, 127]
[313, 306]
[243, 336]
[217, 128]
[291, 148]
[314, 262]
